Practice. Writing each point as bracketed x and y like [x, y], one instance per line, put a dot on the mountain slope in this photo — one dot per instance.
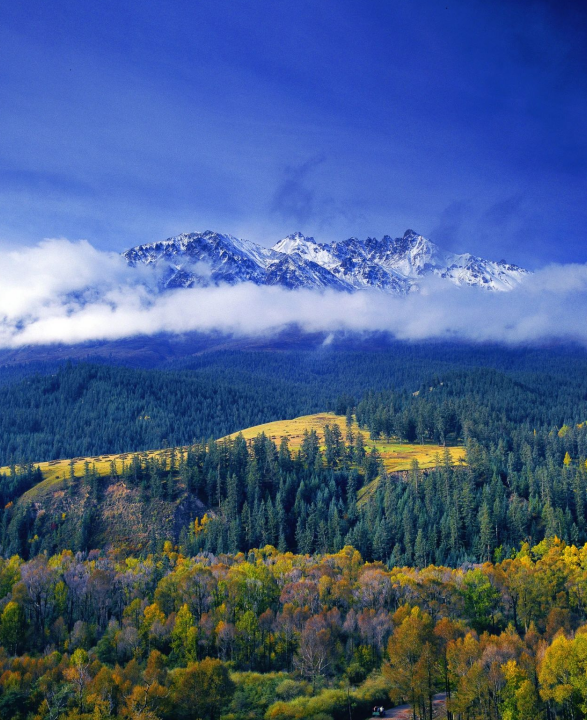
[393, 265]
[136, 499]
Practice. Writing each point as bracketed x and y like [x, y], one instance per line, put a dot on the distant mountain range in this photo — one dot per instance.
[393, 265]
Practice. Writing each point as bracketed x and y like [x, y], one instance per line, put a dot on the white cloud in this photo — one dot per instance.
[60, 291]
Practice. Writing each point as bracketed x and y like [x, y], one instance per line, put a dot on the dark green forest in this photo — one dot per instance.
[142, 593]
[89, 408]
[524, 479]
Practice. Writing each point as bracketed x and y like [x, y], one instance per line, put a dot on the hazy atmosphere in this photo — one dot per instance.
[293, 360]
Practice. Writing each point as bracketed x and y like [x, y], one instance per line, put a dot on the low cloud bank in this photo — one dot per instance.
[69, 292]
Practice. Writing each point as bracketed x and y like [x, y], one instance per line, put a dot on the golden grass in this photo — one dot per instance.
[56, 471]
[396, 456]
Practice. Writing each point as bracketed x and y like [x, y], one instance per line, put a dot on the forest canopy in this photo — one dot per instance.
[277, 635]
[242, 579]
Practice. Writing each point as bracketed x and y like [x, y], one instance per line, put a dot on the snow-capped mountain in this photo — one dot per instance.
[394, 265]
[204, 258]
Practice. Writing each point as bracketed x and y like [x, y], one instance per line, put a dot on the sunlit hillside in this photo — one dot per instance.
[395, 455]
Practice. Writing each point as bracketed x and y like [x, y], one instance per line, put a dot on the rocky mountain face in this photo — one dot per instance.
[393, 265]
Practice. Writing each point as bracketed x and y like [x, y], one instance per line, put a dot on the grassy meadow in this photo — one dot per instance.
[396, 456]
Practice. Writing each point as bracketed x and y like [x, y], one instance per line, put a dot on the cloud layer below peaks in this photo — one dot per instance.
[69, 292]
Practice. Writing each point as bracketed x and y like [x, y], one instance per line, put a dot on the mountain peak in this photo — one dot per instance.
[296, 242]
[300, 237]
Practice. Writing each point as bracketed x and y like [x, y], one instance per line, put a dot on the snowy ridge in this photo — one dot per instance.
[393, 265]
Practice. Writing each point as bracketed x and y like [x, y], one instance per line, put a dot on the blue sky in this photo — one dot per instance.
[127, 122]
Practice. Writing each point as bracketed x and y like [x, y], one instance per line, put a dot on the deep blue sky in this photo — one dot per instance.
[126, 122]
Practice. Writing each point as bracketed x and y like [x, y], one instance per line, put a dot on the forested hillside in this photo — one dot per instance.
[134, 589]
[517, 484]
[89, 409]
[525, 476]
[93, 409]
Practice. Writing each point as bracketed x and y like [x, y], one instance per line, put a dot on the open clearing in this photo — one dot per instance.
[396, 456]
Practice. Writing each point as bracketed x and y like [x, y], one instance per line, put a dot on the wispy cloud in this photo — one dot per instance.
[300, 196]
[69, 292]
[296, 198]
